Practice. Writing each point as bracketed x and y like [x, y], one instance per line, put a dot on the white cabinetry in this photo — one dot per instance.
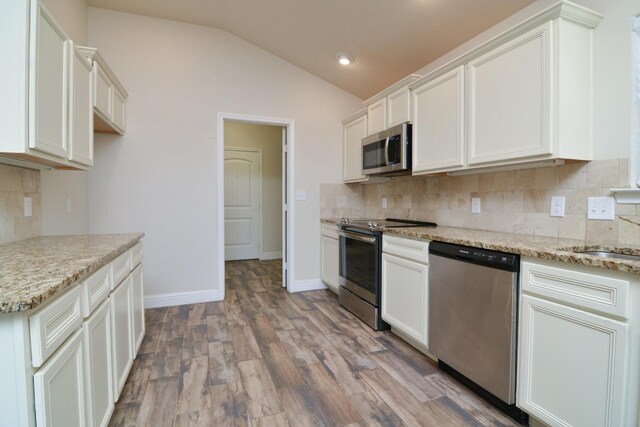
[137, 289]
[405, 287]
[44, 91]
[390, 107]
[577, 334]
[353, 130]
[110, 96]
[122, 342]
[330, 256]
[438, 122]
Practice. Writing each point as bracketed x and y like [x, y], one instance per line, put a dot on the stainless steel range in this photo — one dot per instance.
[360, 261]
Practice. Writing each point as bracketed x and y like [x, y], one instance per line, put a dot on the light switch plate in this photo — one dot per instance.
[600, 208]
[475, 205]
[301, 195]
[28, 206]
[557, 206]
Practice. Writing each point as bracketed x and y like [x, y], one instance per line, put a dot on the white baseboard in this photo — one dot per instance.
[307, 285]
[270, 255]
[181, 298]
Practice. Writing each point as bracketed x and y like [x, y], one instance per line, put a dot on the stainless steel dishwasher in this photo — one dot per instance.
[473, 302]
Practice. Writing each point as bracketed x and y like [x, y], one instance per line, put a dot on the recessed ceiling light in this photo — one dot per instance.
[344, 58]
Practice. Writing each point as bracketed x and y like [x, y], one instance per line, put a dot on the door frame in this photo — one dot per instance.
[260, 197]
[288, 250]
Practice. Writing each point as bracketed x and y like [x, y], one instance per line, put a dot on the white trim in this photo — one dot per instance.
[219, 167]
[307, 285]
[270, 255]
[181, 298]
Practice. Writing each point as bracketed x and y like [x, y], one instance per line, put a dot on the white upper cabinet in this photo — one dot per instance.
[44, 90]
[438, 122]
[81, 110]
[109, 104]
[390, 107]
[353, 130]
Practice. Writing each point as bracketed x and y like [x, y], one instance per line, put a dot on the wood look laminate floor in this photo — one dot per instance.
[265, 357]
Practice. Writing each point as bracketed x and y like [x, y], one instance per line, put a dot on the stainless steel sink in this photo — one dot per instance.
[605, 254]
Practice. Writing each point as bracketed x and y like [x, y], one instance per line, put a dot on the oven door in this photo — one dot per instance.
[360, 264]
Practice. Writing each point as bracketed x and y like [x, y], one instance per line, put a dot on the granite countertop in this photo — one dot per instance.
[534, 246]
[35, 270]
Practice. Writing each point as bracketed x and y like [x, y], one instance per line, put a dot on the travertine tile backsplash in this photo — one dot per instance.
[511, 201]
[16, 184]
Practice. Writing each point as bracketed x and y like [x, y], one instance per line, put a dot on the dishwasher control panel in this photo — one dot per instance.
[495, 259]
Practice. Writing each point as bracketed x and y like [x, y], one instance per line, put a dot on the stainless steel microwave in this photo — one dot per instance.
[387, 152]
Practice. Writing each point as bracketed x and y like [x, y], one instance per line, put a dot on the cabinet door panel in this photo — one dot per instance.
[50, 96]
[98, 366]
[330, 262]
[510, 99]
[398, 107]
[377, 116]
[119, 111]
[438, 123]
[571, 365]
[103, 93]
[137, 287]
[122, 342]
[59, 387]
[353, 132]
[405, 296]
[81, 111]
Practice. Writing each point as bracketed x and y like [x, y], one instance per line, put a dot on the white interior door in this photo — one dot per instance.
[242, 202]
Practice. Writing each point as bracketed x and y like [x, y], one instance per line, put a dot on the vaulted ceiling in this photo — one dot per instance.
[389, 39]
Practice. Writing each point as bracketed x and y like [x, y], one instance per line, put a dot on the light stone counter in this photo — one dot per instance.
[35, 270]
[523, 244]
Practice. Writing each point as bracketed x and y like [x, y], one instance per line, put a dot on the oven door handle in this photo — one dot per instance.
[357, 237]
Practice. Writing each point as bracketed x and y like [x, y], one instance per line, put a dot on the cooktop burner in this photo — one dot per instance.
[377, 224]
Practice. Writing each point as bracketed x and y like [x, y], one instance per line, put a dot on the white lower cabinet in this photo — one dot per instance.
[59, 387]
[137, 289]
[330, 265]
[98, 366]
[405, 287]
[573, 359]
[121, 300]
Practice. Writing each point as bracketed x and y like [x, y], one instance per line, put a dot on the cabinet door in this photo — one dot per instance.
[377, 116]
[510, 99]
[81, 110]
[405, 296]
[49, 80]
[119, 111]
[103, 93]
[330, 262]
[121, 341]
[571, 365]
[438, 123]
[98, 366]
[353, 132]
[398, 107]
[59, 387]
[138, 308]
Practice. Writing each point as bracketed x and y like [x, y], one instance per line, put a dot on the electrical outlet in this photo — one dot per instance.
[28, 206]
[301, 195]
[600, 208]
[384, 203]
[557, 206]
[475, 205]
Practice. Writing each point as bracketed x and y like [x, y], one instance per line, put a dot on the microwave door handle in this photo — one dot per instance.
[386, 151]
[357, 237]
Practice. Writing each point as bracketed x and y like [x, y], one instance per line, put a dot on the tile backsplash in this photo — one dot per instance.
[16, 184]
[512, 201]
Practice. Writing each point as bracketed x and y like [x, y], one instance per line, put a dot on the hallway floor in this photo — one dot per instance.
[265, 357]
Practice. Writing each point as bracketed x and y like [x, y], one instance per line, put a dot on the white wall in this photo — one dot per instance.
[612, 69]
[161, 178]
[57, 186]
[269, 140]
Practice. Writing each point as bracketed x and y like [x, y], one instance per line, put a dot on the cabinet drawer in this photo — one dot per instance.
[574, 285]
[136, 254]
[406, 248]
[95, 289]
[330, 230]
[121, 268]
[52, 325]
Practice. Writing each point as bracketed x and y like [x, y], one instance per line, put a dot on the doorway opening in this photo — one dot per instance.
[254, 171]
